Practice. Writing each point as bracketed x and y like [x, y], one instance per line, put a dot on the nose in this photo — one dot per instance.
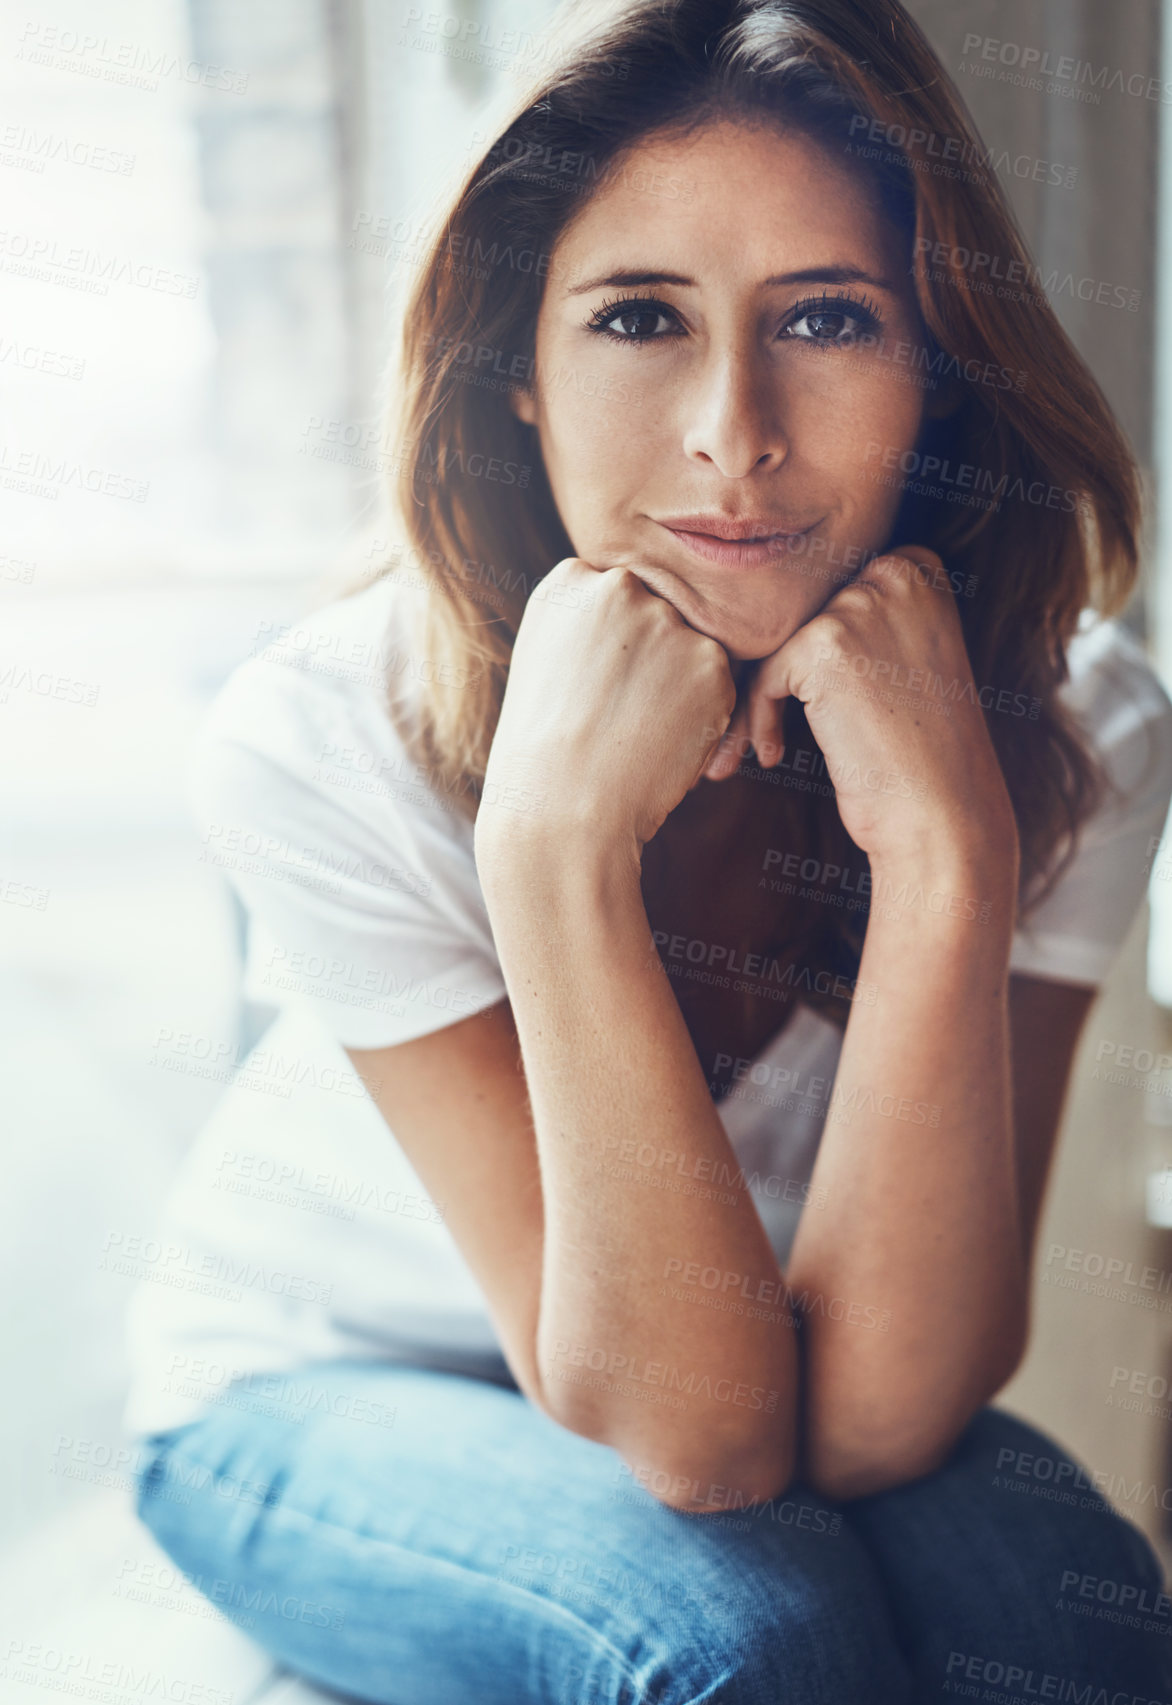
[734, 418]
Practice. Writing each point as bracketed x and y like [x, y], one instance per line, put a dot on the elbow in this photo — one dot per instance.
[712, 1488]
[880, 1439]
[873, 1449]
[839, 1474]
[857, 1461]
[696, 1471]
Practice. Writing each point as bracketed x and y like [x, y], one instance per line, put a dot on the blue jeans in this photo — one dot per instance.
[414, 1537]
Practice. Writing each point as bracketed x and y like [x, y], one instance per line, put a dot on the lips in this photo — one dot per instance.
[738, 542]
[755, 529]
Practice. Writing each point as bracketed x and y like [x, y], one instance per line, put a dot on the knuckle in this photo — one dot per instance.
[900, 572]
[890, 576]
[833, 634]
[714, 658]
[625, 582]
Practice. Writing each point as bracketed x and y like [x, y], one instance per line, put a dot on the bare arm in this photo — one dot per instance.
[634, 1164]
[922, 1202]
[457, 1103]
[939, 1131]
[575, 1154]
[941, 1256]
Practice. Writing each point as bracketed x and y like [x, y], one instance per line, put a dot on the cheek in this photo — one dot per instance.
[598, 436]
[848, 431]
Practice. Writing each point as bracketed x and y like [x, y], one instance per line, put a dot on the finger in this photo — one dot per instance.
[726, 756]
[916, 561]
[765, 725]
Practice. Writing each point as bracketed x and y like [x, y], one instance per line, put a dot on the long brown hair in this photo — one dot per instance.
[1028, 421]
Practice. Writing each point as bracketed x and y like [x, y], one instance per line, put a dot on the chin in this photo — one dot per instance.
[751, 650]
[748, 639]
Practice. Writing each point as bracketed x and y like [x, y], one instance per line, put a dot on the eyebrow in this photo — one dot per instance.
[635, 278]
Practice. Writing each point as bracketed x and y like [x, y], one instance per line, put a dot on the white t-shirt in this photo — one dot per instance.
[297, 1230]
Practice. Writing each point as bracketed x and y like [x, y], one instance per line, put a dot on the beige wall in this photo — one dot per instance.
[1095, 1206]
[1101, 228]
[1104, 227]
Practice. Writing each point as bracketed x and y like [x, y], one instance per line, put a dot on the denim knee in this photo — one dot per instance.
[770, 1611]
[1065, 1501]
[985, 1561]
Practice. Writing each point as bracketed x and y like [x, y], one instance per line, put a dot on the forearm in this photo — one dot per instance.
[636, 1175]
[917, 1170]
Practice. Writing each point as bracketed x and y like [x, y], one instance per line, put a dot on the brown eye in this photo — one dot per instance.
[634, 321]
[637, 322]
[834, 322]
[828, 326]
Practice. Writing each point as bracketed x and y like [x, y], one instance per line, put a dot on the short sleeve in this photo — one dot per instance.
[357, 876]
[1075, 933]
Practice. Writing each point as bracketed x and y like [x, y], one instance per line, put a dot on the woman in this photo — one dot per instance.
[710, 908]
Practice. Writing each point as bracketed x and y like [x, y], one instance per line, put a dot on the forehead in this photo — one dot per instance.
[753, 198]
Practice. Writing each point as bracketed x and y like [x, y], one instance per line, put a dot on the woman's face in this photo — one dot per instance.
[699, 365]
